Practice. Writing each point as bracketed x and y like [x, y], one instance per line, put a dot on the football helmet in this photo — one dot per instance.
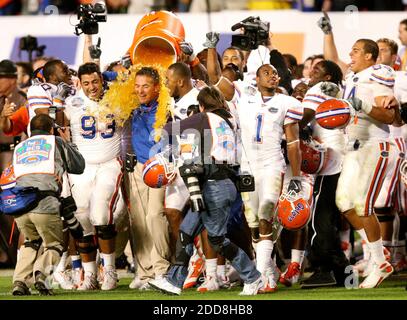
[293, 211]
[313, 156]
[158, 171]
[7, 178]
[333, 114]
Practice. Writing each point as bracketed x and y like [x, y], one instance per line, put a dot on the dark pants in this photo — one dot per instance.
[218, 197]
[325, 246]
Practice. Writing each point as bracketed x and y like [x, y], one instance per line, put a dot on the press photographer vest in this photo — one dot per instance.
[223, 139]
[35, 155]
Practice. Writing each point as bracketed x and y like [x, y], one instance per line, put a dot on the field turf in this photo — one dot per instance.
[393, 288]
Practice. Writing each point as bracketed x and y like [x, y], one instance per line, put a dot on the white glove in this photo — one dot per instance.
[329, 88]
[63, 91]
[212, 39]
[360, 105]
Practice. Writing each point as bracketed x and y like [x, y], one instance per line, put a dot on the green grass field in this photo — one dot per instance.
[391, 289]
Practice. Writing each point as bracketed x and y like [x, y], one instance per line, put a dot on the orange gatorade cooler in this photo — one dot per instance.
[156, 40]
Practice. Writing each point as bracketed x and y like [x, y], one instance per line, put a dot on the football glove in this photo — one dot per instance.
[63, 91]
[324, 23]
[212, 39]
[294, 185]
[360, 105]
[329, 88]
[95, 51]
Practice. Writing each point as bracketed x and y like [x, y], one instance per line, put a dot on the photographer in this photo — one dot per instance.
[43, 223]
[211, 136]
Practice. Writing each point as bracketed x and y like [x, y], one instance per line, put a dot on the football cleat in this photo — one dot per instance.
[165, 286]
[210, 284]
[291, 275]
[360, 266]
[270, 285]
[64, 279]
[89, 282]
[375, 278]
[109, 279]
[136, 283]
[195, 269]
[251, 289]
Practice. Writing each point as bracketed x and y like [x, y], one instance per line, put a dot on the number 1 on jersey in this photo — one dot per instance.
[259, 126]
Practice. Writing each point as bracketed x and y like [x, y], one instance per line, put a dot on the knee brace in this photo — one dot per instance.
[229, 251]
[384, 217]
[34, 244]
[86, 245]
[57, 249]
[106, 232]
[216, 242]
[181, 251]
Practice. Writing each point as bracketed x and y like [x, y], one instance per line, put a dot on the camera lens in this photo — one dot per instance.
[246, 181]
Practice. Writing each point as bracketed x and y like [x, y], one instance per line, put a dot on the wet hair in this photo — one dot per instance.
[149, 72]
[89, 68]
[181, 70]
[210, 98]
[332, 69]
[391, 43]
[404, 22]
[369, 46]
[42, 122]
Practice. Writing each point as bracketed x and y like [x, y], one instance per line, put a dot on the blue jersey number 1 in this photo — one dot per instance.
[259, 126]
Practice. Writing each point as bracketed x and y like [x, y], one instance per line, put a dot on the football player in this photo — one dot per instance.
[268, 116]
[97, 191]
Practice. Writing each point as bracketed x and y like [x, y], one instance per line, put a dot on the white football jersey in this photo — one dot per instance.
[41, 96]
[98, 140]
[400, 86]
[375, 81]
[179, 108]
[332, 140]
[262, 123]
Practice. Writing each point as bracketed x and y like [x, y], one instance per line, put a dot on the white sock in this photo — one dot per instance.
[264, 250]
[89, 267]
[109, 260]
[297, 256]
[221, 271]
[345, 235]
[211, 265]
[376, 250]
[62, 262]
[365, 242]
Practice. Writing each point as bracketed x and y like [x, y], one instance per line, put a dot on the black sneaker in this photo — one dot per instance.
[20, 289]
[319, 279]
[41, 286]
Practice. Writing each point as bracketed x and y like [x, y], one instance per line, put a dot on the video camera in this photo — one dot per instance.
[30, 44]
[256, 32]
[89, 15]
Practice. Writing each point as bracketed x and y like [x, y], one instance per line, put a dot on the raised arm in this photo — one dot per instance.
[91, 53]
[214, 69]
[330, 51]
